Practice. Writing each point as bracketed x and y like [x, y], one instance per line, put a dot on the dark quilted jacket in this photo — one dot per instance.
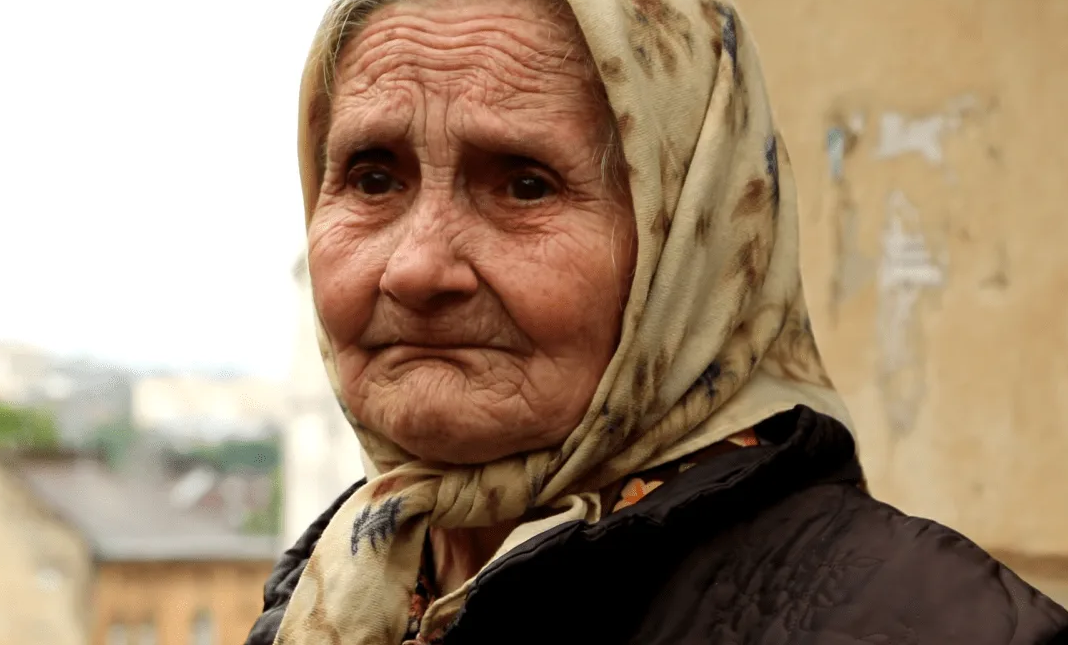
[767, 545]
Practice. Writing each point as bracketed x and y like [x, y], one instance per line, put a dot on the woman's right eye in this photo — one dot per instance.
[373, 181]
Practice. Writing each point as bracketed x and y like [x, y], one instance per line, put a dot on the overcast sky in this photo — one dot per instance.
[149, 203]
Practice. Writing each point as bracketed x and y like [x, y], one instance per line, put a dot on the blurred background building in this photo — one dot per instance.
[149, 514]
[143, 506]
[194, 407]
[82, 394]
[93, 556]
[152, 513]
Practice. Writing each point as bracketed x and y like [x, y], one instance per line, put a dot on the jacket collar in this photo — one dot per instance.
[806, 449]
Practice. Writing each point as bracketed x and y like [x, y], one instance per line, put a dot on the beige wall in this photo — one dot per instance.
[958, 382]
[1050, 574]
[169, 597]
[46, 570]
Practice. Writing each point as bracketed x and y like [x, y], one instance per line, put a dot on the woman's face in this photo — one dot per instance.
[468, 262]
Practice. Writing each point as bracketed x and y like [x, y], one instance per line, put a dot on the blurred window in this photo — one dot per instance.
[117, 635]
[203, 629]
[146, 633]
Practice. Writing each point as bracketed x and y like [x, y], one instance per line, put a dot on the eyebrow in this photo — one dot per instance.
[349, 134]
[515, 137]
[370, 155]
[531, 145]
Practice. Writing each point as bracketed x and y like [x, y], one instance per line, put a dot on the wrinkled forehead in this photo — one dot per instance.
[501, 50]
[506, 77]
[538, 35]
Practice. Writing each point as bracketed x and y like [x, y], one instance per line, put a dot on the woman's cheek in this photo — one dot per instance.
[345, 271]
[565, 291]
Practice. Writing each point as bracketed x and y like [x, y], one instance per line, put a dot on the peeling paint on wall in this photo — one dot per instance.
[904, 268]
[852, 269]
[836, 150]
[907, 269]
[899, 135]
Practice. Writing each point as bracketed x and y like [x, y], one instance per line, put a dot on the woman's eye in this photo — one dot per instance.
[374, 182]
[529, 188]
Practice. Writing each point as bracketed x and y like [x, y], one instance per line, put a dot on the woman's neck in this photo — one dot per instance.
[459, 554]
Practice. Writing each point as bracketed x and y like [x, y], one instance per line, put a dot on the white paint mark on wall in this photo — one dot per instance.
[906, 269]
[836, 149]
[853, 270]
[906, 261]
[900, 136]
[856, 123]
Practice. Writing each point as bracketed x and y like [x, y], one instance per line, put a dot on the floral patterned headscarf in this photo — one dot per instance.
[715, 336]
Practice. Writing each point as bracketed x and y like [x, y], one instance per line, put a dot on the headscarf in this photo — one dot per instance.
[715, 335]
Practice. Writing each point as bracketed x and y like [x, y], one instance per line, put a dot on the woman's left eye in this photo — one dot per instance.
[373, 182]
[529, 188]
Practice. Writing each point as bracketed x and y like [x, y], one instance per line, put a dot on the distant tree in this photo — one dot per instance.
[114, 441]
[261, 455]
[268, 521]
[27, 428]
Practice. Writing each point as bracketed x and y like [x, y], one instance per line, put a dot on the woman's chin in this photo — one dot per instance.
[453, 444]
[449, 449]
[452, 426]
[446, 411]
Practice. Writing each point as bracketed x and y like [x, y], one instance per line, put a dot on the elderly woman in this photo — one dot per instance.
[554, 253]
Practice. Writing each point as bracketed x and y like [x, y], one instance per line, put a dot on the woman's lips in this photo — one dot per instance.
[406, 352]
[479, 325]
[436, 346]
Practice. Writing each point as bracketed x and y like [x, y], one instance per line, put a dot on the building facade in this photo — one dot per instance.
[211, 602]
[93, 558]
[48, 570]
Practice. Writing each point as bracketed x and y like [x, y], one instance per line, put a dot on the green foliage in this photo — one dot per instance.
[269, 520]
[259, 455]
[114, 441]
[27, 428]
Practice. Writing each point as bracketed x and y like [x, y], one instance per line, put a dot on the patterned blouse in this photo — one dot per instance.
[628, 494]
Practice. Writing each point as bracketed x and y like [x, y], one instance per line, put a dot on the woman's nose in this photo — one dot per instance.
[425, 271]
